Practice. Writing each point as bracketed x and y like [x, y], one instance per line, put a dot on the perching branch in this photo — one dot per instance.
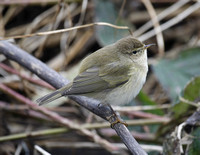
[44, 72]
[52, 116]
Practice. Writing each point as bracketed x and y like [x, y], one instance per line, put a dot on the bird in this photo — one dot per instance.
[113, 75]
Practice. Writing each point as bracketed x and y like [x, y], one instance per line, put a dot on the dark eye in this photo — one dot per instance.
[135, 52]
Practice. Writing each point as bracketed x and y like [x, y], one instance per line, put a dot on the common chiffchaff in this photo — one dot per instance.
[113, 74]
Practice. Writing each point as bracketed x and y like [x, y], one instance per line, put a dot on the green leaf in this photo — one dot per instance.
[174, 74]
[191, 92]
[194, 148]
[105, 11]
[145, 100]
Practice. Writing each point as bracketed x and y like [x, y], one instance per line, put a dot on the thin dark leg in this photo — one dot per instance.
[114, 118]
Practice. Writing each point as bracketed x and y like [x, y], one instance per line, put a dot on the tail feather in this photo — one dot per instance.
[54, 95]
[49, 97]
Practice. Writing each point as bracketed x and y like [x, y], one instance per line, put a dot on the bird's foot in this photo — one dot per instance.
[114, 119]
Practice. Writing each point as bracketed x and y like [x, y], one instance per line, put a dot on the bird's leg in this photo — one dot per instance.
[114, 118]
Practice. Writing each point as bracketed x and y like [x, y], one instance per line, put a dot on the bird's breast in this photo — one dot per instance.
[125, 93]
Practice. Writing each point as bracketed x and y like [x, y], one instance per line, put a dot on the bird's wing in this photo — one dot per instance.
[115, 73]
[88, 82]
[97, 79]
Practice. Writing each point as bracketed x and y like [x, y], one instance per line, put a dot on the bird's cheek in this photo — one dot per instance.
[131, 58]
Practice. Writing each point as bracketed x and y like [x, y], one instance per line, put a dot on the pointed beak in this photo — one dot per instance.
[149, 45]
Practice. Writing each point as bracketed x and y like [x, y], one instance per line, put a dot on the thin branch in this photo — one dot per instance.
[129, 122]
[121, 11]
[57, 118]
[141, 114]
[161, 16]
[87, 145]
[34, 65]
[38, 82]
[83, 11]
[172, 21]
[41, 150]
[155, 21]
[84, 126]
[179, 133]
[189, 102]
[66, 30]
[32, 2]
[22, 110]
[33, 134]
[140, 108]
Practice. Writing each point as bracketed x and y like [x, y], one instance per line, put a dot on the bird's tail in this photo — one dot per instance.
[49, 97]
[53, 96]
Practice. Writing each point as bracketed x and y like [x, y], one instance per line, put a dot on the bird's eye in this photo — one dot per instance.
[135, 52]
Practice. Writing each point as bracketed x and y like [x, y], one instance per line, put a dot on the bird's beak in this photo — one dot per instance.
[149, 45]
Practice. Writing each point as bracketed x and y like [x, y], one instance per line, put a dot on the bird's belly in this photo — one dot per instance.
[124, 94]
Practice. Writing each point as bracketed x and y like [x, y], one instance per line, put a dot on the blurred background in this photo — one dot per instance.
[164, 118]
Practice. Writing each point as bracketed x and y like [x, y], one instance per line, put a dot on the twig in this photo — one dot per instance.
[31, 2]
[153, 148]
[120, 11]
[155, 21]
[83, 11]
[189, 102]
[22, 110]
[75, 48]
[33, 134]
[52, 25]
[139, 108]
[161, 16]
[172, 21]
[179, 132]
[129, 122]
[84, 126]
[42, 151]
[141, 114]
[38, 82]
[79, 145]
[76, 145]
[53, 78]
[57, 118]
[68, 29]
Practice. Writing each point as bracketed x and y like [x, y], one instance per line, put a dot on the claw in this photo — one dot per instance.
[118, 121]
[114, 119]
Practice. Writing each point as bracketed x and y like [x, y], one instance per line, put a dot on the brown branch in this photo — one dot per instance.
[67, 30]
[22, 110]
[155, 21]
[57, 118]
[32, 2]
[35, 81]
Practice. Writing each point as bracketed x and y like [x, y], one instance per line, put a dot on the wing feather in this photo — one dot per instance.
[98, 79]
[115, 73]
[88, 82]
